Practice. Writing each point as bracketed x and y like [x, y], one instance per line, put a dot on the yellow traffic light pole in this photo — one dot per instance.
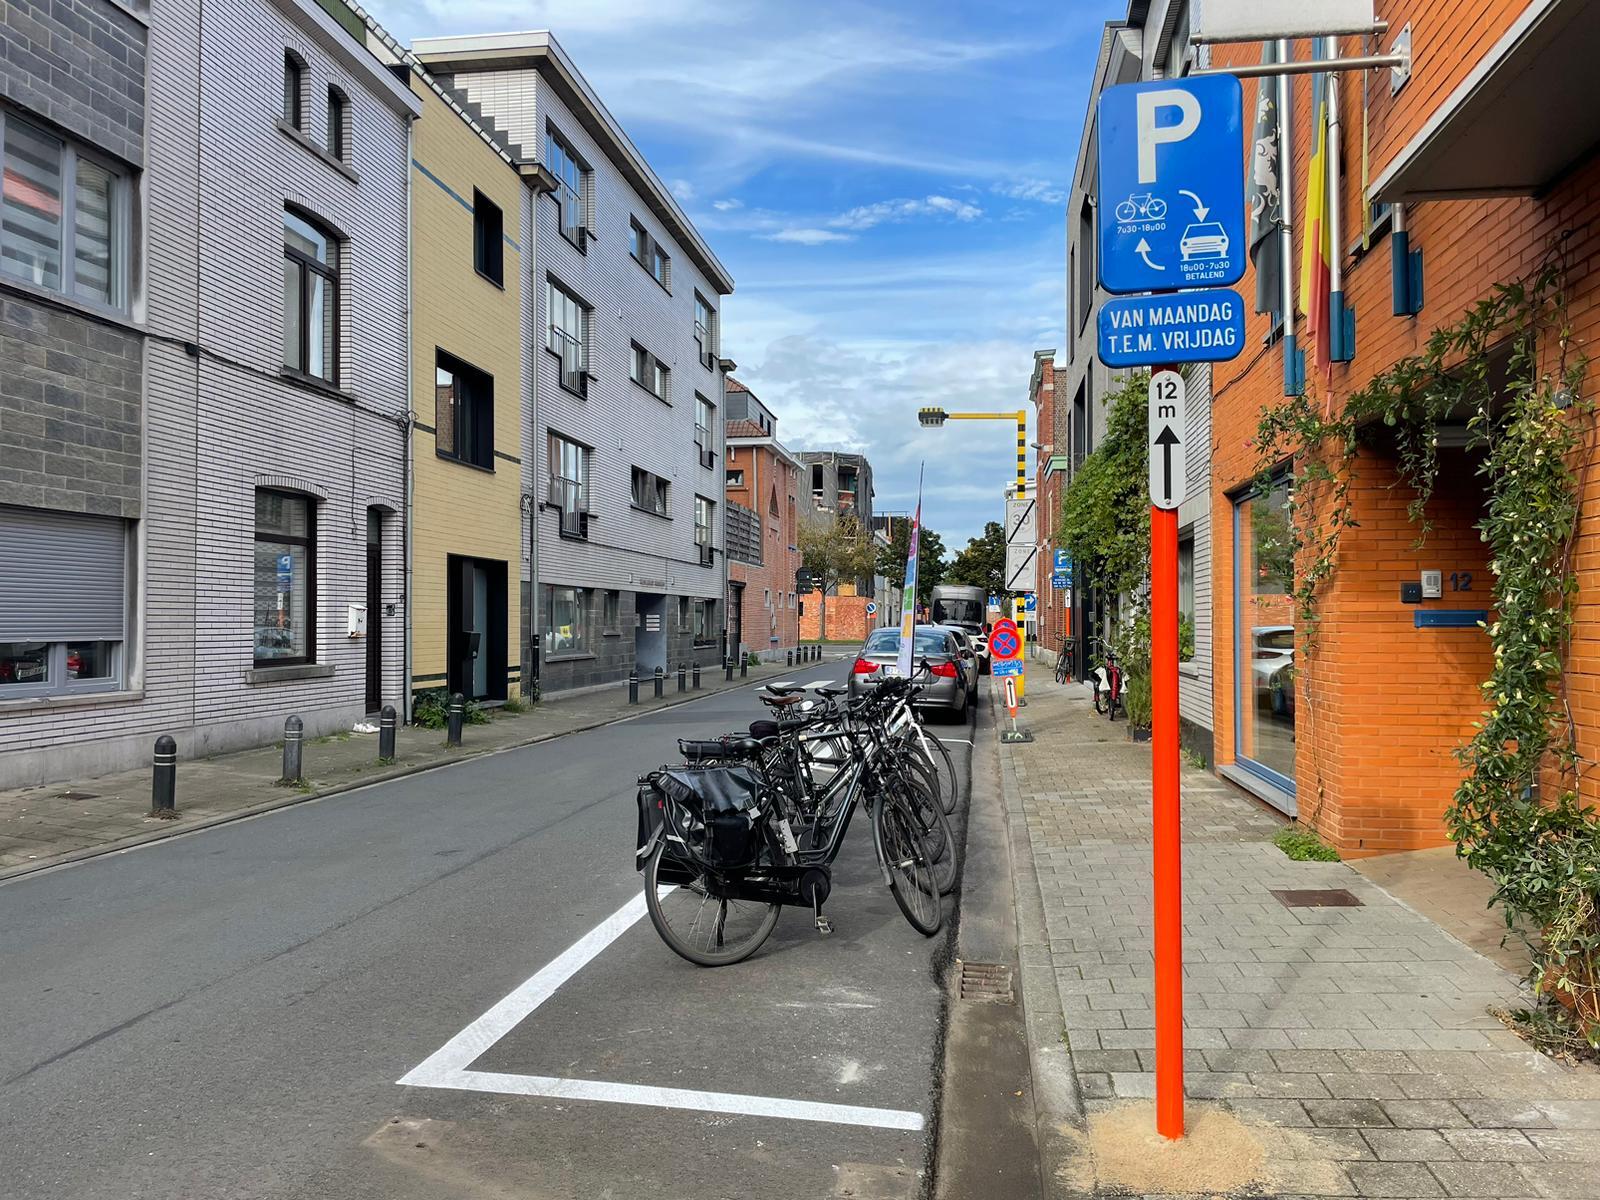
[935, 417]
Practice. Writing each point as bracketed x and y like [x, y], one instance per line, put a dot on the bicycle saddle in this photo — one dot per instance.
[785, 689]
[832, 693]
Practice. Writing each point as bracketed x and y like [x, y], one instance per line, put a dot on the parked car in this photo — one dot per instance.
[1272, 667]
[947, 688]
[965, 607]
[969, 644]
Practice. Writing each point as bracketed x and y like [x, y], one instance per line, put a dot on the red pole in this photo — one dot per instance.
[1167, 839]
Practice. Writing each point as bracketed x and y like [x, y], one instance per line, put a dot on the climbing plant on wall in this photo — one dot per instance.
[1506, 371]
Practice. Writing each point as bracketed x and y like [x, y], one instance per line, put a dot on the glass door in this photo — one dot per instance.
[1264, 636]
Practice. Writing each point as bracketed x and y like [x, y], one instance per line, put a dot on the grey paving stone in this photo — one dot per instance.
[1480, 1179]
[1499, 1145]
[1383, 1062]
[1504, 1114]
[1348, 1113]
[1285, 1085]
[1095, 1085]
[1364, 1087]
[1573, 1114]
[1270, 1112]
[1564, 1145]
[1134, 1085]
[1318, 1061]
[1409, 1145]
[1393, 1179]
[1563, 1180]
[1425, 1114]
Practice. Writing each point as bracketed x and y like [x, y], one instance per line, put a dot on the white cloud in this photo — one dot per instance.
[683, 190]
[805, 237]
[1040, 190]
[867, 215]
[727, 205]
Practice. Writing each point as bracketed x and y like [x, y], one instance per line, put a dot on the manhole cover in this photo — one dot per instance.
[985, 981]
[71, 795]
[1316, 898]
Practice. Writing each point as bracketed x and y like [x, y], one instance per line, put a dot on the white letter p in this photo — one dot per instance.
[1150, 136]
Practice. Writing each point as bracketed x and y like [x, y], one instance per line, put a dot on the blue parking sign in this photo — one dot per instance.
[1172, 184]
[1062, 562]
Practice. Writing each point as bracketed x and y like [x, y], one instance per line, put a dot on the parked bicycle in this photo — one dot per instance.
[1066, 659]
[751, 824]
[1108, 682]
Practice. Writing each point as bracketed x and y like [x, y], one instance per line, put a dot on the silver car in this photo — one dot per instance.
[947, 686]
[969, 655]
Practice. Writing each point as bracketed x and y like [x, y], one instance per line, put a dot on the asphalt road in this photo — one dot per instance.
[227, 1014]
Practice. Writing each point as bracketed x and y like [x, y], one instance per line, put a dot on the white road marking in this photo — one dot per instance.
[448, 1067]
[958, 741]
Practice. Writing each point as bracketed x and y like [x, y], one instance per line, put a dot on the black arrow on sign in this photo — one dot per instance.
[1166, 439]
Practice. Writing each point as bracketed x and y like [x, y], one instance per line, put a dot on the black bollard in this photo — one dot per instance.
[386, 723]
[661, 679]
[633, 685]
[458, 713]
[683, 678]
[293, 749]
[788, 658]
[744, 666]
[697, 676]
[164, 780]
[727, 670]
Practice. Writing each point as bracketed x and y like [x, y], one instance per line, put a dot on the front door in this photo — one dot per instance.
[476, 621]
[650, 634]
[735, 620]
[480, 631]
[374, 610]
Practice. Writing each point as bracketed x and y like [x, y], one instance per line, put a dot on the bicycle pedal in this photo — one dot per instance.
[824, 926]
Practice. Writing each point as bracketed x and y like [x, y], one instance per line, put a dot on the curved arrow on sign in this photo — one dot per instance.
[1200, 210]
[1143, 251]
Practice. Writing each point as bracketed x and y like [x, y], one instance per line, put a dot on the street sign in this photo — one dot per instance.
[872, 608]
[1061, 562]
[1021, 520]
[1252, 21]
[1030, 602]
[1143, 331]
[1019, 565]
[1168, 432]
[1004, 644]
[994, 601]
[1059, 580]
[804, 583]
[1172, 184]
[1011, 700]
[1009, 667]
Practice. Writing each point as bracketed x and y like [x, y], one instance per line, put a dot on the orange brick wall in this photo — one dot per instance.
[766, 475]
[847, 618]
[1382, 705]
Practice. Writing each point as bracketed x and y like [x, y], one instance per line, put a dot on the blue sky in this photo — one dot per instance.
[885, 181]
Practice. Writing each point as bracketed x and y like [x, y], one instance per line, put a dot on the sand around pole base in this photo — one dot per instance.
[1218, 1152]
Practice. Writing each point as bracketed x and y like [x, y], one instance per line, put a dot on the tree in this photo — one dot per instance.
[835, 550]
[931, 566]
[1105, 514]
[983, 562]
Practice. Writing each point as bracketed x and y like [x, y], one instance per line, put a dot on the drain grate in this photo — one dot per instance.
[1316, 898]
[985, 981]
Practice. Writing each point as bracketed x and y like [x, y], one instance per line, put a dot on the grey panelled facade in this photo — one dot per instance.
[72, 363]
[270, 281]
[626, 575]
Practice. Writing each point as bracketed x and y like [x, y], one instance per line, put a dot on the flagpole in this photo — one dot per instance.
[1293, 380]
[1338, 350]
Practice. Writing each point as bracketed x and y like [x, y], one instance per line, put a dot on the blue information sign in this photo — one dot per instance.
[1061, 562]
[1060, 580]
[1006, 667]
[1143, 331]
[1172, 184]
[285, 572]
[1030, 602]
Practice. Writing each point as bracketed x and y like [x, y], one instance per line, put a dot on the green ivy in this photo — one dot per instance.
[1105, 513]
[1532, 425]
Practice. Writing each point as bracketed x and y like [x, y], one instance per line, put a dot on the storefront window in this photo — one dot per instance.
[284, 585]
[1264, 633]
[566, 621]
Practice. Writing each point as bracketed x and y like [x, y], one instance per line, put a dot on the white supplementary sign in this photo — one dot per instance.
[1253, 21]
[1019, 566]
[1021, 520]
[1169, 476]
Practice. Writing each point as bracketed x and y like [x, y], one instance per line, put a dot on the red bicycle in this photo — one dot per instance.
[1107, 681]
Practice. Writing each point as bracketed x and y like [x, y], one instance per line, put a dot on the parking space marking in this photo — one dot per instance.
[449, 1066]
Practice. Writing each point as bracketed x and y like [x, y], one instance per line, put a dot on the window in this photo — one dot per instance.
[310, 299]
[705, 430]
[816, 483]
[683, 612]
[611, 611]
[488, 238]
[1186, 580]
[650, 492]
[568, 335]
[63, 217]
[647, 252]
[766, 597]
[705, 617]
[294, 73]
[705, 332]
[566, 622]
[704, 511]
[1264, 635]
[338, 123]
[285, 579]
[463, 405]
[735, 479]
[572, 184]
[61, 618]
[650, 373]
[1085, 262]
[569, 483]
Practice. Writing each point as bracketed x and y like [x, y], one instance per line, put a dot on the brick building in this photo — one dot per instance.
[1468, 160]
[763, 497]
[1052, 621]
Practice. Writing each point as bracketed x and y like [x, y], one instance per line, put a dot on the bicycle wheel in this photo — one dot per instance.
[706, 929]
[897, 837]
[1061, 668]
[944, 765]
[1099, 697]
[939, 836]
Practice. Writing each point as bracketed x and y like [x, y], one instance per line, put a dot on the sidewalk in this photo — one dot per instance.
[1338, 1051]
[61, 822]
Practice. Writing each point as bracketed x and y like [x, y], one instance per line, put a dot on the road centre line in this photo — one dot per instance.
[448, 1067]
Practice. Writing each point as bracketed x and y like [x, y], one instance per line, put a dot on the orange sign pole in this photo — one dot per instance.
[1167, 840]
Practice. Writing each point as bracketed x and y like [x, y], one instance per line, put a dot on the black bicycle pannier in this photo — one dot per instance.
[676, 865]
[717, 814]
